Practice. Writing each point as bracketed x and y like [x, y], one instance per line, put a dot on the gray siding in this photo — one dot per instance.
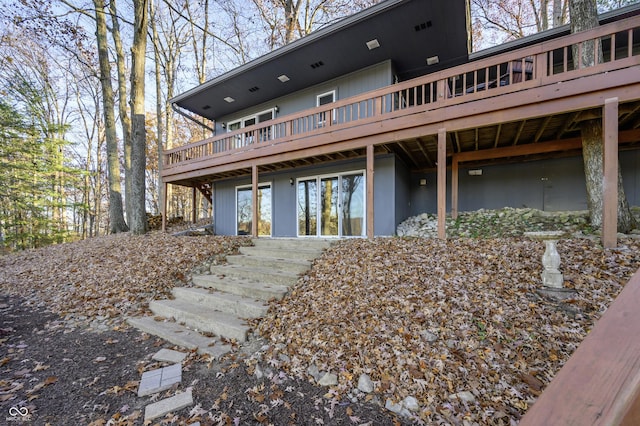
[224, 205]
[551, 185]
[371, 78]
[403, 193]
[384, 197]
[630, 165]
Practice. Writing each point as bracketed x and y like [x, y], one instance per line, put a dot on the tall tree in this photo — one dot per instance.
[138, 219]
[584, 16]
[125, 120]
[116, 213]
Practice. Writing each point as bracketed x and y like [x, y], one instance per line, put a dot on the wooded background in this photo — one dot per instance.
[81, 133]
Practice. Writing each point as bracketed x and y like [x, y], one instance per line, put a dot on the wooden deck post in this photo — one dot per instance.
[194, 210]
[454, 187]
[163, 202]
[369, 178]
[254, 200]
[610, 178]
[442, 183]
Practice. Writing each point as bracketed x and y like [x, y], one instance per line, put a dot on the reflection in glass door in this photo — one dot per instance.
[244, 213]
[308, 207]
[331, 205]
[352, 196]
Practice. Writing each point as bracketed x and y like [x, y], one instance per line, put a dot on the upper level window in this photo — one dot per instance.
[263, 134]
[326, 98]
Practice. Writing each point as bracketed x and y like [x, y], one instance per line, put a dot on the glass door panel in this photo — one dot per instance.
[244, 215]
[352, 206]
[329, 206]
[308, 207]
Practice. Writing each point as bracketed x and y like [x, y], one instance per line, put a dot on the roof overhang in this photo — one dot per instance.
[408, 32]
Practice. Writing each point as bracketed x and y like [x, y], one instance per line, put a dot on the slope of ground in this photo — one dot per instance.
[455, 328]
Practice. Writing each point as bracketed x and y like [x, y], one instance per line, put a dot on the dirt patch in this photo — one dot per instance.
[61, 375]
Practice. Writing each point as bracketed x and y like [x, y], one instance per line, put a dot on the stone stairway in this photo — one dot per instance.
[219, 303]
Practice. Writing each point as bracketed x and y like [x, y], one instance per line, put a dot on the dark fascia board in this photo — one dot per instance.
[294, 45]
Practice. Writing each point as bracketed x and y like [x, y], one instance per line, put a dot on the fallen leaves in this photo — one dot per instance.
[108, 277]
[458, 324]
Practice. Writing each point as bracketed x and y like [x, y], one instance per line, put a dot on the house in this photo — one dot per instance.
[386, 114]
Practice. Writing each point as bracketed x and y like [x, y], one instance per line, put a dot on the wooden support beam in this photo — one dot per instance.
[454, 187]
[194, 209]
[254, 200]
[610, 178]
[164, 207]
[442, 183]
[567, 124]
[542, 128]
[520, 127]
[370, 188]
[497, 138]
[213, 206]
[424, 152]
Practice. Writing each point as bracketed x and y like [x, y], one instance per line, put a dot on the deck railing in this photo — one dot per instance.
[617, 46]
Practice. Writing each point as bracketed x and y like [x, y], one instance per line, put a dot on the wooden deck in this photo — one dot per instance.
[600, 384]
[524, 103]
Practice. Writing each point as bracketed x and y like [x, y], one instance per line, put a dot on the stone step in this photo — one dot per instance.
[284, 265]
[307, 254]
[293, 243]
[201, 318]
[242, 307]
[180, 335]
[241, 287]
[263, 275]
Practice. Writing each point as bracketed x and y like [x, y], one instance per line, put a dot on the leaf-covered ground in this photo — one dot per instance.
[110, 277]
[457, 325]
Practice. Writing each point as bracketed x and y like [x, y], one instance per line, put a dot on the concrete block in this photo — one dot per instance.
[168, 355]
[155, 381]
[168, 405]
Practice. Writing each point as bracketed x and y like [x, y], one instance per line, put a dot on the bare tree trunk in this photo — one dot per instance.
[584, 16]
[557, 13]
[116, 215]
[139, 135]
[122, 105]
[159, 101]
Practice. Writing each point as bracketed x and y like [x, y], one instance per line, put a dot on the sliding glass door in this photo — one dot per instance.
[244, 210]
[331, 206]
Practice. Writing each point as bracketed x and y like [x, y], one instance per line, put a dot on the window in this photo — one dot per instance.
[324, 99]
[264, 133]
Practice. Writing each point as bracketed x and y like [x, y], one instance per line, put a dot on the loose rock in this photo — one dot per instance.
[365, 384]
[465, 396]
[328, 379]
